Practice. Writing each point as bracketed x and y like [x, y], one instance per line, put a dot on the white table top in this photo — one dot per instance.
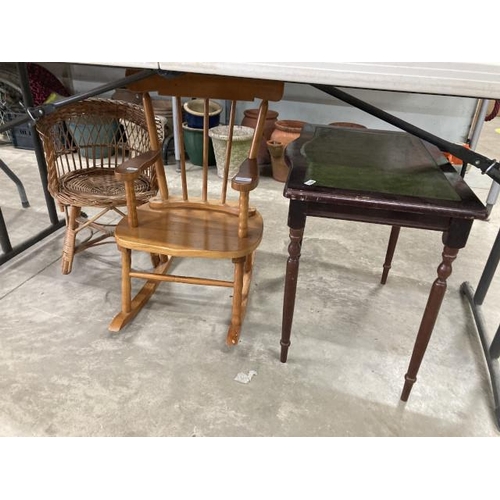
[457, 79]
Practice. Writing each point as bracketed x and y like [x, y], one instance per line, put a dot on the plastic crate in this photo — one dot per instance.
[22, 137]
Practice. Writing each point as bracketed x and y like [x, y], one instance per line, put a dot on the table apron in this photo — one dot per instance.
[455, 230]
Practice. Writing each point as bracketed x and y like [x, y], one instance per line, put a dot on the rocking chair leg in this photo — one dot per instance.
[130, 308]
[393, 239]
[157, 259]
[70, 239]
[126, 281]
[249, 262]
[234, 329]
[247, 279]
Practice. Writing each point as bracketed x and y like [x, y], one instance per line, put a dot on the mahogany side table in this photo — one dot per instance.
[379, 177]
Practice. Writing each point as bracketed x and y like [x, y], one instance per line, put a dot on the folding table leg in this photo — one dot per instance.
[429, 319]
[292, 271]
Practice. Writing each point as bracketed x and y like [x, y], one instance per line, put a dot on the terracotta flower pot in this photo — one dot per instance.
[346, 125]
[280, 168]
[250, 120]
[285, 131]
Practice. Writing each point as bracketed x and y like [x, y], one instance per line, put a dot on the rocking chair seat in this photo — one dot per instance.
[190, 232]
[99, 187]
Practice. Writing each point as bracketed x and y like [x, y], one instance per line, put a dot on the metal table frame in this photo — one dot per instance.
[32, 114]
[15, 179]
[476, 299]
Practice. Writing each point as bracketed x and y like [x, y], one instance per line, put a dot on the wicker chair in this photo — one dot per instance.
[83, 144]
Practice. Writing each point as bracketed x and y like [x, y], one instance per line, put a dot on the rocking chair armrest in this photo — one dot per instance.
[247, 179]
[131, 168]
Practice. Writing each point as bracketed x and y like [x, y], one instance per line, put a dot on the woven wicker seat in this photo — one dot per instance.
[83, 144]
[98, 186]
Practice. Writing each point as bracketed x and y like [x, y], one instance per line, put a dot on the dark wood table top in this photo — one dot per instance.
[378, 169]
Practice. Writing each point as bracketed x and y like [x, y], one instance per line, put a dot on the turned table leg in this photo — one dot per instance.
[429, 319]
[393, 239]
[292, 271]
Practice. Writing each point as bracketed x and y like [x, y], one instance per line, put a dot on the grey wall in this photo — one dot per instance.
[448, 117]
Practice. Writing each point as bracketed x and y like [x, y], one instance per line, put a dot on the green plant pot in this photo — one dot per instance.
[193, 142]
[93, 136]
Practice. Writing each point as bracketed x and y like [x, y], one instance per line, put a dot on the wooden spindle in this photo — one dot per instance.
[133, 221]
[206, 118]
[180, 131]
[243, 215]
[228, 151]
[153, 135]
[259, 130]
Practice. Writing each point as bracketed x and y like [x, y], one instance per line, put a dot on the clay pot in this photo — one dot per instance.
[280, 168]
[346, 125]
[250, 120]
[285, 131]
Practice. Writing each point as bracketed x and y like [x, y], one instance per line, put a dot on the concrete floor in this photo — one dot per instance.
[169, 373]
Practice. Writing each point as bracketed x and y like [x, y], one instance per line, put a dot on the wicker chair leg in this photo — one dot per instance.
[68, 253]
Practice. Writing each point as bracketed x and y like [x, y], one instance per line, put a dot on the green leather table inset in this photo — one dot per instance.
[375, 160]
